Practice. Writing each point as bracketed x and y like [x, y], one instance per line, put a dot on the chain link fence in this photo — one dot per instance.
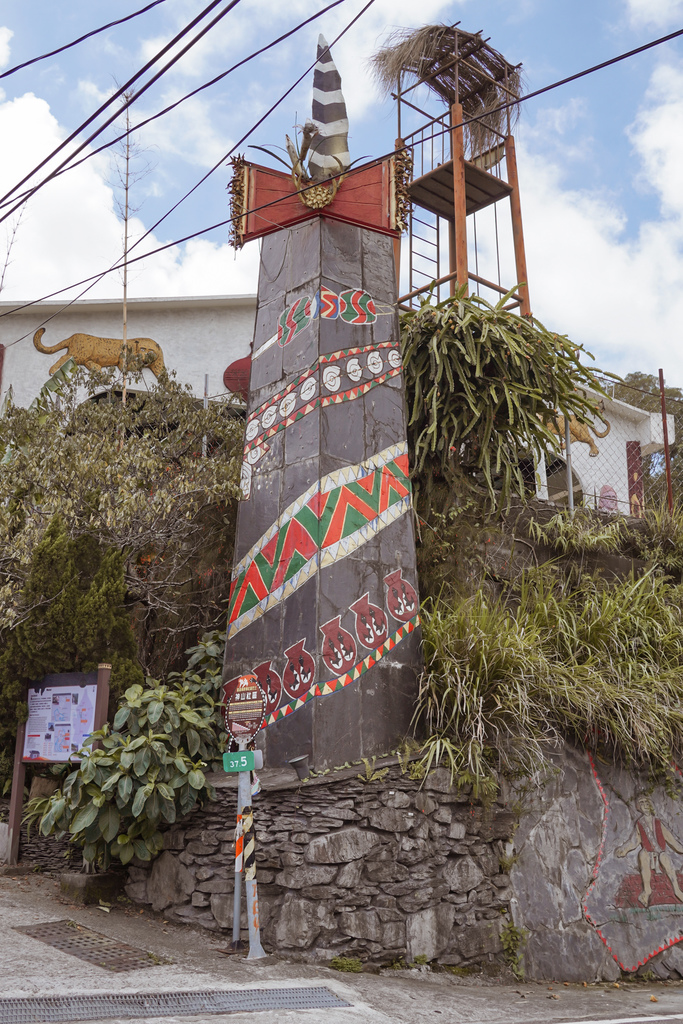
[628, 460]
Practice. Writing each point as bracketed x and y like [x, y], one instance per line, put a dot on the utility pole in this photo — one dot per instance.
[126, 188]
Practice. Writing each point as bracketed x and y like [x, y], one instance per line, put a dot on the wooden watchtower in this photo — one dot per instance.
[456, 100]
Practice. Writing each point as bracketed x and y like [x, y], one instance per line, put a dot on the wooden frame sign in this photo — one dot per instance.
[63, 710]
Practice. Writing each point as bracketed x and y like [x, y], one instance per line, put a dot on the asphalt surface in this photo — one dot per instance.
[184, 959]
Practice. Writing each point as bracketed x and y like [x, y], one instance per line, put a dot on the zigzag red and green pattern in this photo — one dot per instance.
[323, 689]
[337, 515]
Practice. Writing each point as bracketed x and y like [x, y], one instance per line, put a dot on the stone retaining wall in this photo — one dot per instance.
[382, 870]
[585, 868]
[45, 852]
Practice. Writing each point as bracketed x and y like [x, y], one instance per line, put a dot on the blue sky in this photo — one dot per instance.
[600, 160]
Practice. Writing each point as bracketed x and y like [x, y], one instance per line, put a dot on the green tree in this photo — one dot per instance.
[149, 768]
[115, 531]
[126, 479]
[73, 617]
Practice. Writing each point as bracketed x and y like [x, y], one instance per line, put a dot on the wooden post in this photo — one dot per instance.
[517, 230]
[17, 798]
[459, 234]
[667, 453]
[101, 700]
[451, 256]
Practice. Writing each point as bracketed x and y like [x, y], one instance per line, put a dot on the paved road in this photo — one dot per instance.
[31, 968]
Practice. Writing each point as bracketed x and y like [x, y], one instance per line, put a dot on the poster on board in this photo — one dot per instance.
[59, 720]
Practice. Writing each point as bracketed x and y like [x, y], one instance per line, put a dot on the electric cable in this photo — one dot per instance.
[260, 121]
[189, 95]
[274, 202]
[75, 42]
[183, 32]
[118, 265]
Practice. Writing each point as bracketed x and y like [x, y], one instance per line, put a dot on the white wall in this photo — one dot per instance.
[609, 467]
[196, 335]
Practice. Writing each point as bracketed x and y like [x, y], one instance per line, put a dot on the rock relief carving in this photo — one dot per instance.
[635, 899]
[91, 351]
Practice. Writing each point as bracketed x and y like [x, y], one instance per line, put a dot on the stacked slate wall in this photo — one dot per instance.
[381, 869]
[585, 867]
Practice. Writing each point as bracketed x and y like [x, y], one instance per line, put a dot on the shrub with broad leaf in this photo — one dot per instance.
[145, 770]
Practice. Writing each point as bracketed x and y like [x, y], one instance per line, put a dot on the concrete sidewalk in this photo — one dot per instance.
[32, 968]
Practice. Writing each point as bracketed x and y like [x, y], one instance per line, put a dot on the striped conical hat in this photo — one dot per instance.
[330, 150]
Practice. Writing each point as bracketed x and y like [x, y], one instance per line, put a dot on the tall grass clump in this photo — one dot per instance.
[599, 665]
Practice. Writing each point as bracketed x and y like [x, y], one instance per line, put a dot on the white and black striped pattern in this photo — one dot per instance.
[330, 149]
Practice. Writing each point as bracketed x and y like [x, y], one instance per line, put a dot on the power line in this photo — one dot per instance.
[117, 266]
[203, 231]
[189, 95]
[260, 121]
[88, 35]
[183, 32]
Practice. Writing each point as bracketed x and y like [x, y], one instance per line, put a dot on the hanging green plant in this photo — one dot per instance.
[484, 386]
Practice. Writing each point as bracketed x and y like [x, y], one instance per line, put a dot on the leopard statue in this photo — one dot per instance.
[92, 352]
[580, 431]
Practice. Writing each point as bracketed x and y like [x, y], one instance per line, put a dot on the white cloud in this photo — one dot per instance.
[70, 229]
[619, 292]
[189, 132]
[658, 13]
[5, 36]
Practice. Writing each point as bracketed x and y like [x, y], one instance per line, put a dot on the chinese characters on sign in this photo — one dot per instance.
[60, 718]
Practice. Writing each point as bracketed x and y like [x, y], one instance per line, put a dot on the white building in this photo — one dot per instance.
[606, 460]
[197, 336]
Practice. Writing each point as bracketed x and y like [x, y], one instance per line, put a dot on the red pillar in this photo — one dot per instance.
[517, 230]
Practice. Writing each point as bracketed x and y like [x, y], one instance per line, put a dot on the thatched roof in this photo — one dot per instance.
[482, 78]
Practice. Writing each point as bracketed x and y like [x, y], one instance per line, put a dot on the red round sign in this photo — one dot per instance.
[245, 710]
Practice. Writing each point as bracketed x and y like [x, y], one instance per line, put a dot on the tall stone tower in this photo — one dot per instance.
[324, 603]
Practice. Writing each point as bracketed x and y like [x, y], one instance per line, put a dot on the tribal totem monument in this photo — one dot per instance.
[324, 604]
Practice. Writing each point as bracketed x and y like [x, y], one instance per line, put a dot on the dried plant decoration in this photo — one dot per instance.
[456, 66]
[402, 176]
[238, 189]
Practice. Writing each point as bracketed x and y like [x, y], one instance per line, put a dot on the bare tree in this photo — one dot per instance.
[11, 231]
[129, 168]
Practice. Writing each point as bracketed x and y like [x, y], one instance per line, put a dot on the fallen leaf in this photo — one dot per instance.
[653, 999]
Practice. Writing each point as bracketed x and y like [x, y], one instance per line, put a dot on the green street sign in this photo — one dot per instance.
[239, 761]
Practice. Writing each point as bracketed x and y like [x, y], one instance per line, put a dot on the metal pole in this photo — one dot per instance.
[256, 951]
[667, 453]
[568, 457]
[237, 901]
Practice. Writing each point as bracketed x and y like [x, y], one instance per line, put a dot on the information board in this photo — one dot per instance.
[60, 718]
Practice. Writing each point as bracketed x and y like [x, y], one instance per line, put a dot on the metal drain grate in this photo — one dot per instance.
[76, 939]
[61, 1009]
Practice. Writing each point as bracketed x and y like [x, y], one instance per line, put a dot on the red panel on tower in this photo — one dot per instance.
[266, 200]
